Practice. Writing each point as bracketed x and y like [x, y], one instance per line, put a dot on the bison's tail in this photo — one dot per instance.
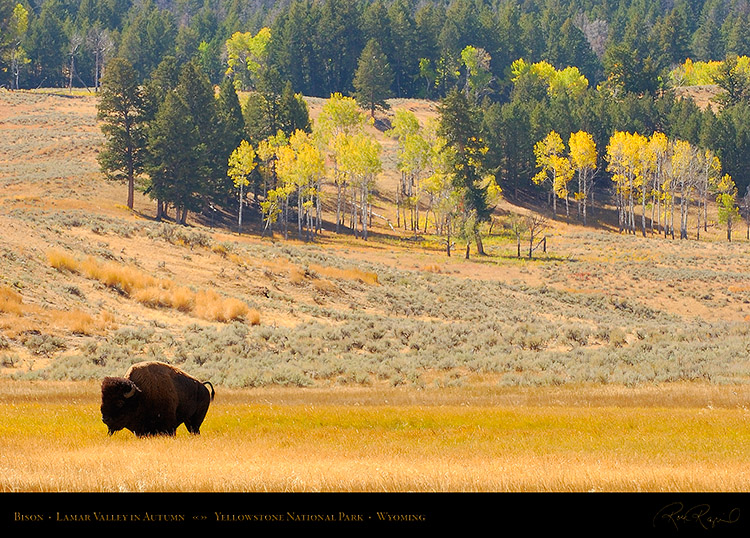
[208, 384]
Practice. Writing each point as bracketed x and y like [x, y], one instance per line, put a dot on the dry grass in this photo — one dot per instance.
[52, 440]
[17, 317]
[468, 436]
[352, 273]
[156, 293]
[10, 301]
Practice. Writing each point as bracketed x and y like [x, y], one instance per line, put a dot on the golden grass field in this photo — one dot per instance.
[680, 438]
[78, 274]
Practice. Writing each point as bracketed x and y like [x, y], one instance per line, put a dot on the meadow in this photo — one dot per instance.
[386, 440]
[607, 363]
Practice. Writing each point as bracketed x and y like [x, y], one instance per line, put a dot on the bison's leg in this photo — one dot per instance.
[193, 424]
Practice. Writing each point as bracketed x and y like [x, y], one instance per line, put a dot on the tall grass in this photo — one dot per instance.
[259, 442]
[155, 293]
[351, 273]
[17, 317]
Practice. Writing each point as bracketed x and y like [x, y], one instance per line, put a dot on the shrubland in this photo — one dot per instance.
[609, 362]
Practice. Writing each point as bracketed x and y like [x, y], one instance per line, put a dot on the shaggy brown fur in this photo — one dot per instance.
[154, 398]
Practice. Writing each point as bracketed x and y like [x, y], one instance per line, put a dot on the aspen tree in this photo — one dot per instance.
[583, 159]
[339, 115]
[658, 149]
[625, 161]
[444, 197]
[413, 159]
[647, 169]
[726, 199]
[684, 172]
[15, 31]
[359, 159]
[710, 170]
[241, 164]
[266, 152]
[478, 73]
[548, 158]
[247, 54]
[300, 165]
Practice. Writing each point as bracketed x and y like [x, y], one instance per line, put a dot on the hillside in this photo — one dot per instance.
[87, 286]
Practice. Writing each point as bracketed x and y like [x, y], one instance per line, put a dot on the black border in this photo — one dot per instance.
[658, 514]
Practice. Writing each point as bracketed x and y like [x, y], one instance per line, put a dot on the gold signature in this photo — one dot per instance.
[700, 514]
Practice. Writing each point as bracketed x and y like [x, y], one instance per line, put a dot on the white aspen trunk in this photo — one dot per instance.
[239, 219]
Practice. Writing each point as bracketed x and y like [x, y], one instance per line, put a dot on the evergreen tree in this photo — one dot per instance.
[175, 164]
[339, 44]
[295, 115]
[197, 93]
[706, 42]
[460, 125]
[255, 115]
[273, 108]
[293, 48]
[404, 54]
[147, 37]
[569, 48]
[729, 136]
[163, 80]
[671, 39]
[373, 78]
[737, 34]
[122, 113]
[46, 45]
[230, 132]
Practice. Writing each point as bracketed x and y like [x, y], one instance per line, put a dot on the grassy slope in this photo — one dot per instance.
[597, 307]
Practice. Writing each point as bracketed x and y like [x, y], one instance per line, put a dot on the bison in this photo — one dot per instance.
[154, 398]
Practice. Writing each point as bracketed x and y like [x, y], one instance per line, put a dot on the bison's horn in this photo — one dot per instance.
[130, 392]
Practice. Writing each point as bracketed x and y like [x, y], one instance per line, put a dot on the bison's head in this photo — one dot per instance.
[119, 402]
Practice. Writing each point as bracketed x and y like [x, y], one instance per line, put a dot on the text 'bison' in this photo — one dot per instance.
[154, 398]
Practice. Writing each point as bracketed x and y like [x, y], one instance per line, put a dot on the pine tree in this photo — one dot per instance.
[147, 37]
[404, 58]
[175, 163]
[230, 131]
[197, 93]
[121, 111]
[46, 43]
[460, 125]
[338, 44]
[163, 80]
[293, 47]
[295, 115]
[373, 79]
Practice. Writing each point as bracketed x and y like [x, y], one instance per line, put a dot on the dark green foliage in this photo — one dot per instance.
[47, 45]
[175, 157]
[729, 135]
[162, 81]
[148, 35]
[197, 93]
[734, 83]
[122, 112]
[274, 107]
[460, 124]
[373, 78]
[230, 131]
[571, 48]
[339, 44]
[293, 46]
[628, 46]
